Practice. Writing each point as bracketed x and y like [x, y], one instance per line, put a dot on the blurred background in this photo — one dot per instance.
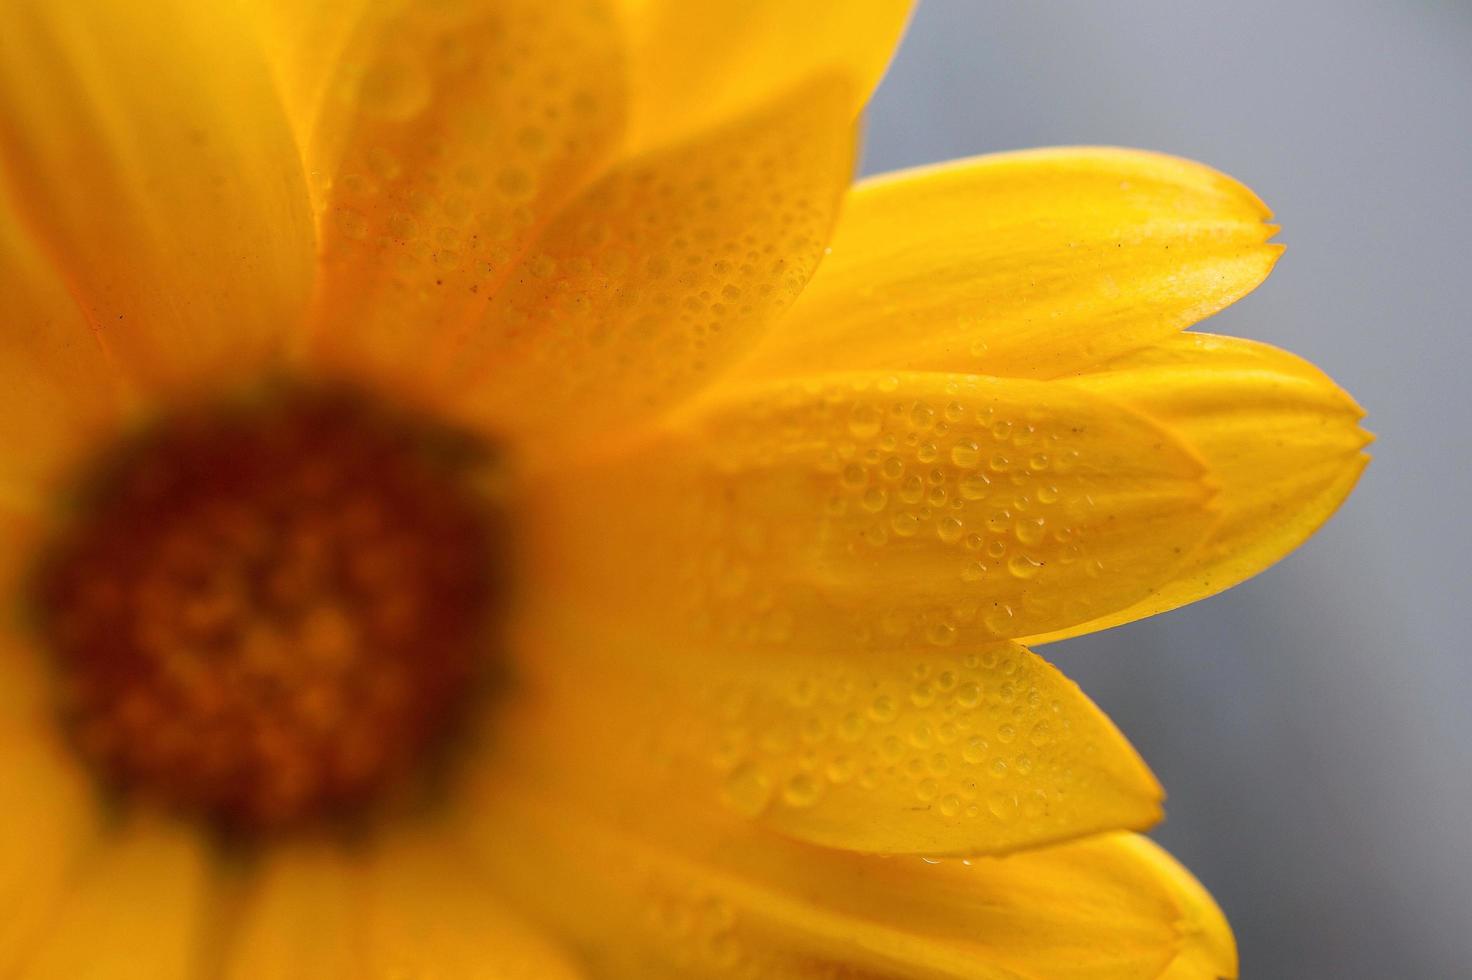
[1314, 726]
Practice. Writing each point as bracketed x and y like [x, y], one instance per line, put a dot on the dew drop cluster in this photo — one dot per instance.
[987, 738]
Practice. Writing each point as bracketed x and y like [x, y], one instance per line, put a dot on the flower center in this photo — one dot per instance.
[273, 611]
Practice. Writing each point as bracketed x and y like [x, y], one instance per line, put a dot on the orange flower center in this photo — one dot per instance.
[273, 612]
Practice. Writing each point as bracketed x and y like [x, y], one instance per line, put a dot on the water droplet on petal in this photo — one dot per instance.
[748, 790]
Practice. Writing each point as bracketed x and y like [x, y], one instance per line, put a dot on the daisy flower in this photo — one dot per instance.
[485, 495]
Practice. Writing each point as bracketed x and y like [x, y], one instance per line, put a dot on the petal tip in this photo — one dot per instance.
[1204, 944]
[1207, 946]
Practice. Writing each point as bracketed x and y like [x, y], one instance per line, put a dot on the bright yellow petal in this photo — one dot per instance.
[449, 135]
[872, 510]
[48, 817]
[152, 161]
[661, 274]
[1207, 950]
[138, 912]
[698, 65]
[909, 750]
[306, 45]
[1280, 438]
[652, 890]
[302, 919]
[431, 914]
[406, 906]
[1031, 264]
[57, 385]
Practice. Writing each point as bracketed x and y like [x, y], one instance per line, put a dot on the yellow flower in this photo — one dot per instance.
[443, 543]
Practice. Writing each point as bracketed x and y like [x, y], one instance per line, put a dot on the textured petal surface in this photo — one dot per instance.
[152, 161]
[447, 136]
[657, 891]
[138, 912]
[911, 750]
[664, 271]
[1281, 440]
[1030, 264]
[872, 510]
[57, 384]
[700, 64]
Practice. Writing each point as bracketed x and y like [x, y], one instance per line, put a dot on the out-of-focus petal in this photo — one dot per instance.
[432, 914]
[405, 905]
[699, 65]
[49, 819]
[659, 276]
[301, 919]
[150, 158]
[139, 910]
[57, 384]
[447, 137]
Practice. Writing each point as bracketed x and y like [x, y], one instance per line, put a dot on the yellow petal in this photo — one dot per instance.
[57, 384]
[430, 913]
[698, 65]
[449, 134]
[406, 906]
[138, 912]
[150, 157]
[27, 672]
[48, 817]
[661, 274]
[306, 45]
[871, 510]
[909, 750]
[1029, 264]
[651, 889]
[1207, 948]
[302, 920]
[1280, 438]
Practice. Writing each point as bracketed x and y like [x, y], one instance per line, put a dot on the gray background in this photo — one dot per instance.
[1313, 726]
